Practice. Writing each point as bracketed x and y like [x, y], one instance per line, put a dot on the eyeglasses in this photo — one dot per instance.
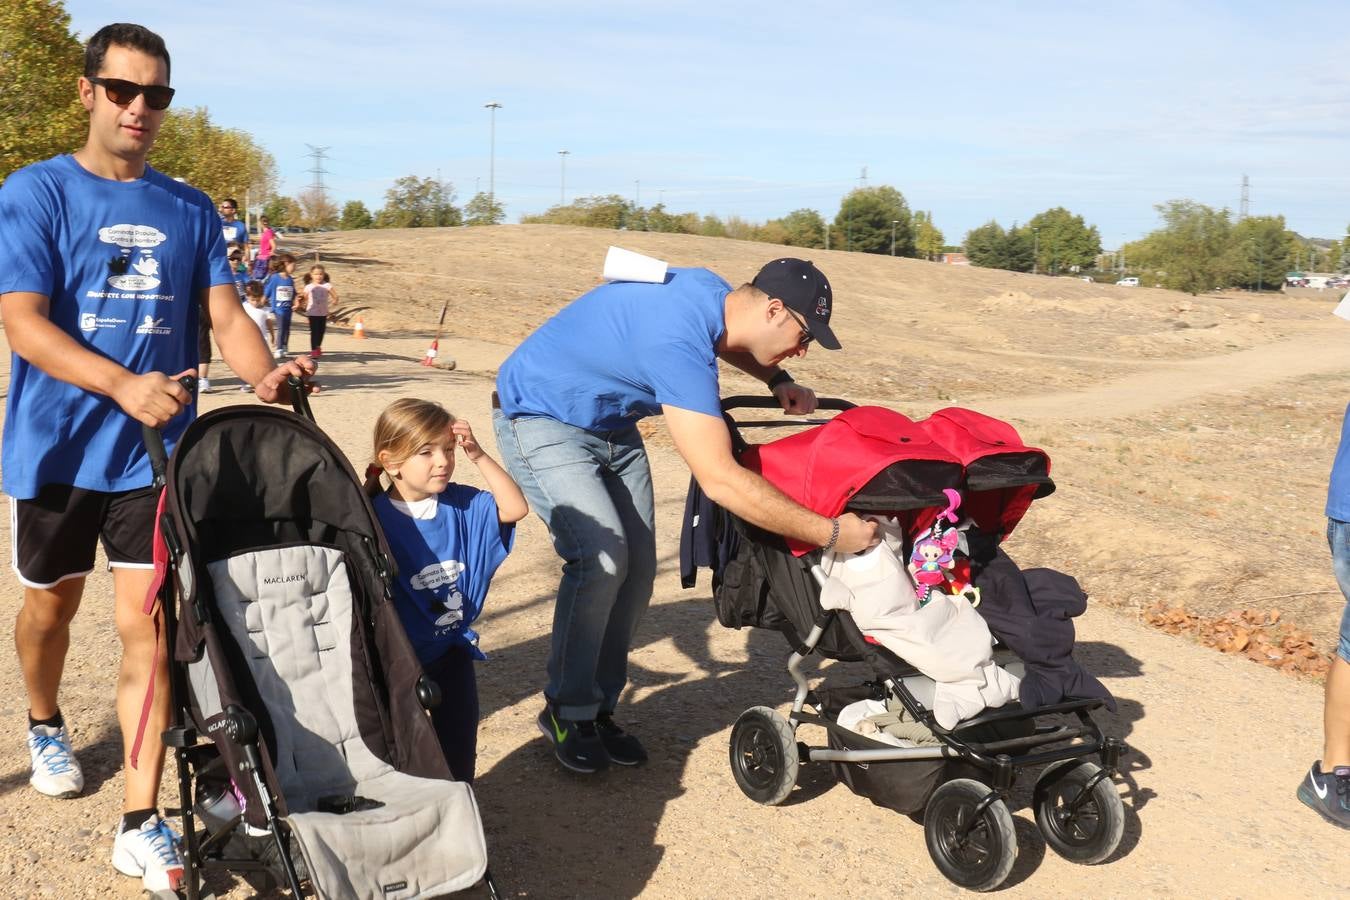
[122, 93]
[806, 336]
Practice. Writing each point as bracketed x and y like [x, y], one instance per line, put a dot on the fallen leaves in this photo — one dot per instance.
[1254, 633]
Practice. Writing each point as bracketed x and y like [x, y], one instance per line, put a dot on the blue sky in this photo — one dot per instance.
[972, 110]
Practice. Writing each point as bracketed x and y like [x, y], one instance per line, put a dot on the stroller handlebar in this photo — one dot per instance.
[757, 401]
[153, 439]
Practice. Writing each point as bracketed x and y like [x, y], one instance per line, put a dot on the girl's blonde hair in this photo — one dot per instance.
[403, 427]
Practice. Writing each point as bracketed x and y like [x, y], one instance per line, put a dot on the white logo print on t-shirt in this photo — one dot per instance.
[138, 243]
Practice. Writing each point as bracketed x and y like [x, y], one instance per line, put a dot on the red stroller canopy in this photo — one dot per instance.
[866, 458]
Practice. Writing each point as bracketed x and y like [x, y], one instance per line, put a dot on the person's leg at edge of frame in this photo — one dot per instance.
[554, 465]
[629, 482]
[1326, 788]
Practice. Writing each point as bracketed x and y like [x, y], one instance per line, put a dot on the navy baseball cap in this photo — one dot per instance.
[802, 288]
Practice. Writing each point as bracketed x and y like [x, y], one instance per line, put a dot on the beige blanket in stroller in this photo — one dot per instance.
[945, 639]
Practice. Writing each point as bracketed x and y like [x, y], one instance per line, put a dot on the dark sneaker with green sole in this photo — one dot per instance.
[623, 748]
[576, 744]
[1328, 795]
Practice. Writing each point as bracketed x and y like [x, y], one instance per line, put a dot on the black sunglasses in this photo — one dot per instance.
[157, 96]
[806, 337]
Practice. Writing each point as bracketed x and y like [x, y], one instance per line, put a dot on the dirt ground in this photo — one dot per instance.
[1191, 440]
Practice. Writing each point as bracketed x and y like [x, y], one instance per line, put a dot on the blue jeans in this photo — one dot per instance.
[1338, 537]
[593, 489]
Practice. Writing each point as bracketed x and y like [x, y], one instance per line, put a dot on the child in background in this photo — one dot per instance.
[319, 294]
[447, 539]
[256, 307]
[280, 291]
[238, 269]
[267, 242]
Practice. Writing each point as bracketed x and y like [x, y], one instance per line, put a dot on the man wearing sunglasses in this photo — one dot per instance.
[108, 266]
[569, 399]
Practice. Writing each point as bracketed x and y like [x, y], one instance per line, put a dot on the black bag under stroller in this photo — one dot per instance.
[961, 779]
[304, 751]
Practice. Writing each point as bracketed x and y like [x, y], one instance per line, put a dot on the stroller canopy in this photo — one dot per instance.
[867, 459]
[1003, 475]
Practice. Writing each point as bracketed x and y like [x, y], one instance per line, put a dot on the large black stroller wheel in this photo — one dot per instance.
[974, 849]
[1089, 833]
[764, 755]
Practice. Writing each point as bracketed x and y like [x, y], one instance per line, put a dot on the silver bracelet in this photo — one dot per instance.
[834, 536]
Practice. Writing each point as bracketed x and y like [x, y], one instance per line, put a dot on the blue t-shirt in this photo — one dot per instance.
[279, 289]
[123, 265]
[618, 353]
[1338, 494]
[235, 232]
[445, 565]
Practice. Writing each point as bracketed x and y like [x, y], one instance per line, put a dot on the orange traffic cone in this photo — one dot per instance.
[432, 351]
[359, 329]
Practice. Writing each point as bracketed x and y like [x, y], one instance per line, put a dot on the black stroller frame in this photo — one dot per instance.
[970, 834]
[270, 853]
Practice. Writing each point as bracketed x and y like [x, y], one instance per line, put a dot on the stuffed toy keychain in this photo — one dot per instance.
[932, 560]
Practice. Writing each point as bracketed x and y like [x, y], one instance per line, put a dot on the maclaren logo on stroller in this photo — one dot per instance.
[283, 579]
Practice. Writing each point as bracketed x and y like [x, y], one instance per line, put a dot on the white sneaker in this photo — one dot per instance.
[277, 354]
[204, 385]
[151, 852]
[56, 772]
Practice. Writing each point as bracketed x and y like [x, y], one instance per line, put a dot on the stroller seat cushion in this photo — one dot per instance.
[414, 837]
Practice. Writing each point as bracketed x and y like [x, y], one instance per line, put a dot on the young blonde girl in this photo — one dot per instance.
[319, 297]
[447, 539]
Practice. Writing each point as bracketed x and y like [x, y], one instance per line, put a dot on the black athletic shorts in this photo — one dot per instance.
[203, 341]
[55, 533]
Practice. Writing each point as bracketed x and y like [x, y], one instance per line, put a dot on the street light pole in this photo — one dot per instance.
[1035, 249]
[894, 222]
[562, 183]
[492, 158]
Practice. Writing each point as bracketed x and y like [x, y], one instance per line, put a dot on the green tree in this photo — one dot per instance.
[985, 245]
[223, 162]
[483, 210]
[1192, 252]
[281, 211]
[1062, 240]
[355, 215]
[1261, 252]
[803, 228]
[712, 226]
[40, 64]
[418, 203]
[928, 239]
[609, 211]
[866, 217]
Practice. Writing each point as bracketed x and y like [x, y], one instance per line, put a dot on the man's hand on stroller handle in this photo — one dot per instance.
[796, 399]
[855, 534]
[153, 398]
[273, 388]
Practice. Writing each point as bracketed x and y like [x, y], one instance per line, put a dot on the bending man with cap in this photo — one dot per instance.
[569, 399]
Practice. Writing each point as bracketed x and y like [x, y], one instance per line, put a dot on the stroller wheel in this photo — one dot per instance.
[1083, 827]
[972, 843]
[764, 755]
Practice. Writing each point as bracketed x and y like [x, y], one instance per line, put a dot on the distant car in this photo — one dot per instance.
[1128, 282]
[1088, 278]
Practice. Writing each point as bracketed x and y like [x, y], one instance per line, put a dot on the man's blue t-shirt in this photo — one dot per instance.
[620, 352]
[279, 289]
[123, 265]
[235, 232]
[445, 565]
[1338, 494]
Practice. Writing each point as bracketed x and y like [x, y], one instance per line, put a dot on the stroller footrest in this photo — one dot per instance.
[179, 736]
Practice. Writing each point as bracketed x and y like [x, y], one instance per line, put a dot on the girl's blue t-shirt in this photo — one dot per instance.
[620, 352]
[124, 265]
[279, 289]
[445, 565]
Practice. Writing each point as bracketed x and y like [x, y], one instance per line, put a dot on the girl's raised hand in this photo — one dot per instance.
[463, 433]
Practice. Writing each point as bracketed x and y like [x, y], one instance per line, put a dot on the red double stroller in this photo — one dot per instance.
[869, 460]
